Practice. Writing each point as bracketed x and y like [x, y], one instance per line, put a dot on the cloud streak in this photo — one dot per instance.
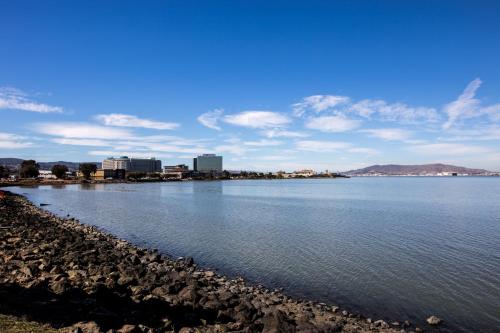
[14, 99]
[258, 119]
[124, 120]
[388, 134]
[332, 124]
[13, 141]
[210, 119]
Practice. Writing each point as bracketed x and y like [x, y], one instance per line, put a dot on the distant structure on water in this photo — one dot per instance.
[208, 163]
[132, 164]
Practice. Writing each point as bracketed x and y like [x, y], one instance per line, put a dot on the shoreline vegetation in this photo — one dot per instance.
[68, 276]
[35, 182]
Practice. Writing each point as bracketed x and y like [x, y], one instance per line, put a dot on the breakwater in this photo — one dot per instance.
[59, 272]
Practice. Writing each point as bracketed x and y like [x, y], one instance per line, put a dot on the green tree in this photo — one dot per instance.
[59, 170]
[4, 171]
[29, 169]
[87, 169]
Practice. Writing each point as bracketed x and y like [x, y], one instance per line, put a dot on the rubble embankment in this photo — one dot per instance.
[74, 277]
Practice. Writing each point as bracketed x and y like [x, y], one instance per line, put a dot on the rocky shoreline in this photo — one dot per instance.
[76, 278]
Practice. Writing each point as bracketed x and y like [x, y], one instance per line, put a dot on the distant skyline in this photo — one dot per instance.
[270, 85]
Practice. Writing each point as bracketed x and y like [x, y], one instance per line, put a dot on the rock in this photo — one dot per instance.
[129, 329]
[433, 320]
[84, 327]
[188, 261]
[276, 322]
[209, 274]
[380, 323]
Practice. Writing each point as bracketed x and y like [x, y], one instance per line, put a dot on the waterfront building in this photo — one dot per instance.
[208, 163]
[175, 168]
[102, 174]
[304, 173]
[46, 174]
[132, 164]
[175, 171]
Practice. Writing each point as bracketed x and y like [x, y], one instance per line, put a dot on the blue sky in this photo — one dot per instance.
[268, 84]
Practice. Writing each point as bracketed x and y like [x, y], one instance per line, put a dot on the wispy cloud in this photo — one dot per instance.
[263, 143]
[321, 146]
[82, 142]
[468, 106]
[14, 99]
[136, 154]
[258, 119]
[453, 149]
[318, 103]
[13, 141]
[465, 106]
[389, 134]
[210, 119]
[280, 133]
[367, 108]
[337, 123]
[365, 151]
[400, 112]
[124, 120]
[235, 149]
[81, 131]
[84, 134]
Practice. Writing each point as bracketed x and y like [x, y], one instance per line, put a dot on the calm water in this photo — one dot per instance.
[396, 248]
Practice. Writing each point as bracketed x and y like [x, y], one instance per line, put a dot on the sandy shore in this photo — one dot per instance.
[73, 277]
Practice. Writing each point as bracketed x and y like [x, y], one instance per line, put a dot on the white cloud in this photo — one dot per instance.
[136, 154]
[14, 99]
[393, 112]
[481, 133]
[449, 149]
[258, 119]
[13, 141]
[468, 106]
[318, 103]
[81, 131]
[365, 151]
[235, 149]
[210, 119]
[465, 106]
[82, 142]
[263, 143]
[332, 123]
[279, 133]
[124, 120]
[321, 146]
[367, 108]
[389, 134]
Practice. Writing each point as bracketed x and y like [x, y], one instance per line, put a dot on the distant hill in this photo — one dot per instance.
[415, 170]
[14, 163]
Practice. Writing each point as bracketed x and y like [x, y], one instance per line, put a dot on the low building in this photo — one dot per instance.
[46, 174]
[102, 174]
[209, 163]
[304, 173]
[175, 171]
[147, 165]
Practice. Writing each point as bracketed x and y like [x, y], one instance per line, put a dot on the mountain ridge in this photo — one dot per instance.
[415, 169]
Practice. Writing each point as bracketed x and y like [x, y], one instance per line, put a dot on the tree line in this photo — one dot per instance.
[31, 169]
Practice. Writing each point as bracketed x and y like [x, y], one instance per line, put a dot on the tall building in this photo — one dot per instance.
[132, 164]
[207, 163]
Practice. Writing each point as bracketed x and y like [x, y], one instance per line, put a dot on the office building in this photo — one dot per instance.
[207, 163]
[132, 164]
